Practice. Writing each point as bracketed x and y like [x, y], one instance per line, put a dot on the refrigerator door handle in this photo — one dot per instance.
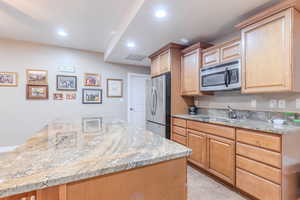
[152, 96]
[156, 101]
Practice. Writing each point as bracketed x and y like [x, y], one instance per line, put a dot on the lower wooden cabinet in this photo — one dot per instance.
[197, 141]
[258, 187]
[221, 158]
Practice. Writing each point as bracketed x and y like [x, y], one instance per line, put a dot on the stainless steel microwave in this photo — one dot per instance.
[221, 77]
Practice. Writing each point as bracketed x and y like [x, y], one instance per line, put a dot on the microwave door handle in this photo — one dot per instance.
[225, 77]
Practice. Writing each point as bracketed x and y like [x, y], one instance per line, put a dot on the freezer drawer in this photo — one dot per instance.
[156, 128]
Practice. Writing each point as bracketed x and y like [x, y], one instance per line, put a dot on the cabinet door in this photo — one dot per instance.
[190, 73]
[211, 57]
[164, 62]
[155, 66]
[221, 158]
[197, 142]
[266, 54]
[231, 51]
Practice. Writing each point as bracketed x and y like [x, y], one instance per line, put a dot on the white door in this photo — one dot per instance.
[137, 99]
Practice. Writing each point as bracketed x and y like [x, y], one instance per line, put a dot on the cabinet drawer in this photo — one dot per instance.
[222, 131]
[259, 139]
[257, 187]
[179, 130]
[258, 154]
[179, 139]
[179, 122]
[267, 172]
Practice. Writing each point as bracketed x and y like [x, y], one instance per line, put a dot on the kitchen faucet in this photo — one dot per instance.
[231, 113]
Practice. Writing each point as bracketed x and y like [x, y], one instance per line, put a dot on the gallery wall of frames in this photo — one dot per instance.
[40, 83]
[37, 87]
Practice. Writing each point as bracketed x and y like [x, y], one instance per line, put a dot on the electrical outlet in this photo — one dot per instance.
[273, 103]
[281, 103]
[298, 103]
[253, 103]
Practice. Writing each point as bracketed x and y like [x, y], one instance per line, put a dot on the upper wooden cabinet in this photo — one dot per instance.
[270, 44]
[222, 53]
[190, 66]
[155, 66]
[161, 60]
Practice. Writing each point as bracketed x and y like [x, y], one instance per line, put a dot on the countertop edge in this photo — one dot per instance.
[92, 174]
[278, 132]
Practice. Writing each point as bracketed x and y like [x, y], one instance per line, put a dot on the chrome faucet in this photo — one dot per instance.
[231, 113]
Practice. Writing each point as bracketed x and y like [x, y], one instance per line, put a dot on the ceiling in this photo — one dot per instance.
[107, 26]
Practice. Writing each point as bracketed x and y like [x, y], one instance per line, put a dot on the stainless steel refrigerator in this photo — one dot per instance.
[158, 105]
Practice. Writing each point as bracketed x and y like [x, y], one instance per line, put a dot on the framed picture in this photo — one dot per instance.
[8, 79]
[92, 79]
[114, 88]
[66, 83]
[37, 77]
[58, 96]
[38, 92]
[91, 96]
[91, 124]
[71, 96]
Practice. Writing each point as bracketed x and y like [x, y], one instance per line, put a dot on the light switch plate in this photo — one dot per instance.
[273, 103]
[253, 103]
[281, 103]
[298, 103]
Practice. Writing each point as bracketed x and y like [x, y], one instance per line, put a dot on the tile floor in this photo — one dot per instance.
[201, 187]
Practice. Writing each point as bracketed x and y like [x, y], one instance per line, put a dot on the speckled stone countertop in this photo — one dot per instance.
[243, 123]
[69, 151]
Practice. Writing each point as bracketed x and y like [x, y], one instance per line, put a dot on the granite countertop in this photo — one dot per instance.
[71, 150]
[243, 123]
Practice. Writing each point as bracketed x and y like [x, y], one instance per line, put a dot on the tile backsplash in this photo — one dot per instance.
[275, 102]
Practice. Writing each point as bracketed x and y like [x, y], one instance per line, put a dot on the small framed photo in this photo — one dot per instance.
[92, 80]
[8, 79]
[114, 88]
[91, 96]
[38, 92]
[58, 96]
[92, 124]
[66, 83]
[37, 77]
[71, 96]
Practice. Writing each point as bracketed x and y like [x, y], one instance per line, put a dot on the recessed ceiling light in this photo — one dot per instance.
[184, 40]
[62, 33]
[130, 44]
[160, 13]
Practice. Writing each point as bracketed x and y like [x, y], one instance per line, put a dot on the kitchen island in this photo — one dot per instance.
[93, 159]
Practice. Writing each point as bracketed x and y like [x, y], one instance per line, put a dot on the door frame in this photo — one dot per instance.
[129, 76]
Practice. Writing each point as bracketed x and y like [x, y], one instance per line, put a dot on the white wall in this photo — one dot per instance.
[20, 118]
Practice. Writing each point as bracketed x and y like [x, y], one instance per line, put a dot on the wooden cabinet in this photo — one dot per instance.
[161, 60]
[190, 70]
[164, 62]
[179, 133]
[230, 51]
[258, 164]
[155, 66]
[197, 141]
[211, 57]
[211, 152]
[269, 52]
[221, 158]
[222, 53]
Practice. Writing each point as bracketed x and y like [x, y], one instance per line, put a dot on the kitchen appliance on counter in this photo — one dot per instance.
[221, 77]
[193, 110]
[158, 105]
